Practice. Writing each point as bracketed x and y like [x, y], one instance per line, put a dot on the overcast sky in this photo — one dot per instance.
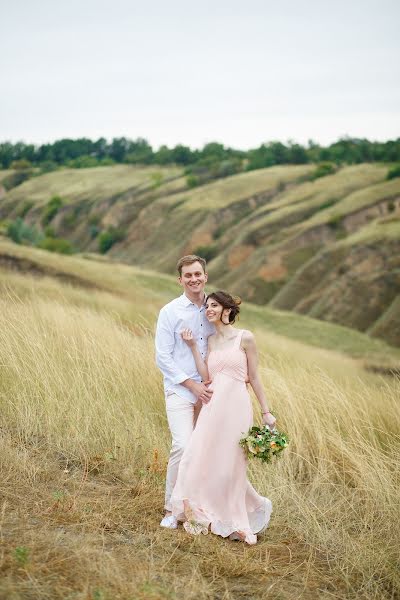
[176, 71]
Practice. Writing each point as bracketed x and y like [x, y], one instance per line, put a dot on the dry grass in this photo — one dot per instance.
[96, 183]
[5, 173]
[331, 187]
[356, 201]
[223, 192]
[314, 194]
[84, 443]
[387, 228]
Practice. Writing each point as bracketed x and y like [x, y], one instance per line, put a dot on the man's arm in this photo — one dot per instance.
[165, 341]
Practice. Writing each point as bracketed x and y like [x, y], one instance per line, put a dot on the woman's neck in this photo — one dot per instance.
[223, 331]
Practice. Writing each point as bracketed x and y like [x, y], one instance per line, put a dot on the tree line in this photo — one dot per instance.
[212, 161]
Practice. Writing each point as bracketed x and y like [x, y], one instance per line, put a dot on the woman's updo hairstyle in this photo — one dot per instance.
[227, 301]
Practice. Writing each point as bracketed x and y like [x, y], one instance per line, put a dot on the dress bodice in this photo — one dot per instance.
[231, 361]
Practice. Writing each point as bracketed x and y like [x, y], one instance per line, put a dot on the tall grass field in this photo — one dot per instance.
[84, 444]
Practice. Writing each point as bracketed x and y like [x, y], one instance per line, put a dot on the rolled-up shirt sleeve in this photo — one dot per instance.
[165, 341]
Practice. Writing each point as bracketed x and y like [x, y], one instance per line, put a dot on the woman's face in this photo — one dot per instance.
[214, 310]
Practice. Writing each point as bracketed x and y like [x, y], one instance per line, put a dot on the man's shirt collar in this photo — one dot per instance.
[187, 302]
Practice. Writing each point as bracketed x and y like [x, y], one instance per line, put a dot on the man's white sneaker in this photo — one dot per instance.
[170, 522]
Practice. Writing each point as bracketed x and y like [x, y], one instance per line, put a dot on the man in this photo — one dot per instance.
[182, 383]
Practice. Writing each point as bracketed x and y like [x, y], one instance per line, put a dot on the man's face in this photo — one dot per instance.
[193, 278]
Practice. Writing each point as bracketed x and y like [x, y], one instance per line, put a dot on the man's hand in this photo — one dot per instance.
[200, 390]
[206, 397]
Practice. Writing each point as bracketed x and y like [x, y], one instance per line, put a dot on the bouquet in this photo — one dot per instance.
[264, 443]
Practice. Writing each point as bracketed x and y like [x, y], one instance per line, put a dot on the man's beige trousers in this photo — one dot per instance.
[180, 415]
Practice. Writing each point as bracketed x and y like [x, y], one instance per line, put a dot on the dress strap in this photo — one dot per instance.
[238, 338]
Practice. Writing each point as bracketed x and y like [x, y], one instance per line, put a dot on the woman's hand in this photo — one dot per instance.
[269, 419]
[187, 337]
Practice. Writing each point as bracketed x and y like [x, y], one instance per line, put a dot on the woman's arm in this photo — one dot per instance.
[249, 346]
[201, 365]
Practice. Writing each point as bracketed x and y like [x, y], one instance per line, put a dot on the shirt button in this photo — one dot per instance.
[201, 338]
[201, 324]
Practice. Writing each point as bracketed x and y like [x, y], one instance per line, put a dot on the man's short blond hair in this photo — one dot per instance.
[189, 260]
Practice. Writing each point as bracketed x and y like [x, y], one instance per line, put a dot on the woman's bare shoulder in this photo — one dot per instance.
[211, 340]
[248, 338]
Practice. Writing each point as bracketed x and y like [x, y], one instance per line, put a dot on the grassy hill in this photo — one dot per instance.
[84, 444]
[263, 231]
[130, 287]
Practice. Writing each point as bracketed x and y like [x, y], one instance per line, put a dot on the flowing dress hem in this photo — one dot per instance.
[196, 521]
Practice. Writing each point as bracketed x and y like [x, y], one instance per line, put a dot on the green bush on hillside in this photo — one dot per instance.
[21, 165]
[206, 252]
[20, 232]
[322, 170]
[156, 179]
[94, 231]
[109, 237]
[51, 210]
[252, 238]
[335, 221]
[83, 162]
[49, 232]
[393, 172]
[192, 181]
[16, 178]
[48, 166]
[56, 245]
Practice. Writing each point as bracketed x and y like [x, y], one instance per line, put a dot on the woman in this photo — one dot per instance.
[212, 489]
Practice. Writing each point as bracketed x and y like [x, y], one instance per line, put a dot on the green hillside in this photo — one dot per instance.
[275, 236]
[132, 287]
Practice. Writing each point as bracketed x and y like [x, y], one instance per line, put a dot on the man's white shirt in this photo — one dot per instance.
[174, 358]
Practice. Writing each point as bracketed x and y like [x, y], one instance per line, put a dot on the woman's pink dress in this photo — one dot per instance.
[212, 489]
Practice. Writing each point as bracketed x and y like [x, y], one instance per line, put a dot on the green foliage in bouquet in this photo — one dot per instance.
[263, 443]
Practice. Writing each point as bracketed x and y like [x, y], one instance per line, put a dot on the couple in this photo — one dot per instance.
[206, 363]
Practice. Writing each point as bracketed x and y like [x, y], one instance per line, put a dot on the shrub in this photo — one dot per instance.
[322, 170]
[220, 230]
[21, 164]
[51, 210]
[335, 222]
[49, 232]
[206, 252]
[13, 231]
[94, 219]
[83, 162]
[94, 231]
[252, 238]
[56, 245]
[48, 166]
[192, 181]
[393, 172]
[156, 179]
[281, 186]
[108, 238]
[264, 291]
[16, 179]
[70, 219]
[21, 232]
[391, 206]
